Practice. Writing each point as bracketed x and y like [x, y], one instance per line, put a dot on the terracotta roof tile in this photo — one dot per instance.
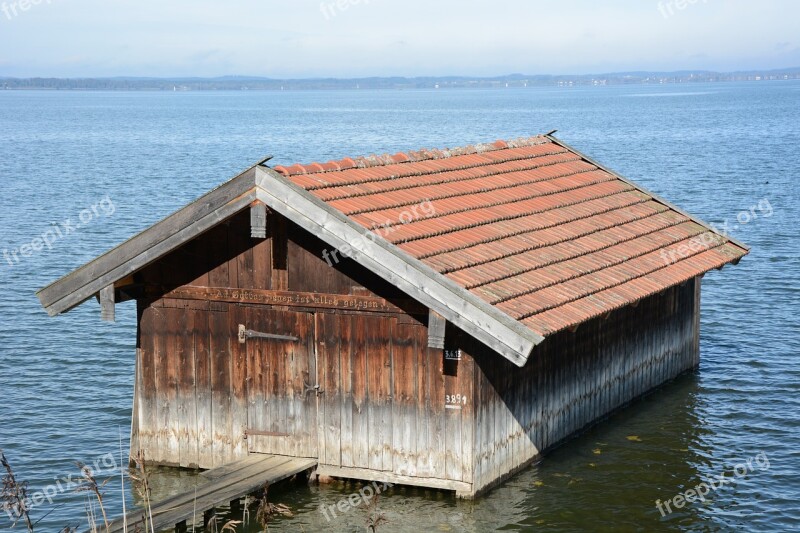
[527, 225]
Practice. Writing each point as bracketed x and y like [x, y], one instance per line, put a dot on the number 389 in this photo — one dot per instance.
[455, 399]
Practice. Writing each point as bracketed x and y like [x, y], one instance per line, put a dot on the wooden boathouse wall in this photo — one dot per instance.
[362, 391]
[576, 378]
[203, 399]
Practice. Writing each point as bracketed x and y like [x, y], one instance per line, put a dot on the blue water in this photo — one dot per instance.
[717, 150]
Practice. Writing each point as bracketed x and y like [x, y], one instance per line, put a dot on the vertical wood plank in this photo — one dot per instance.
[148, 403]
[234, 241]
[245, 266]
[437, 440]
[307, 402]
[262, 263]
[348, 400]
[479, 439]
[165, 386]
[384, 332]
[220, 336]
[196, 253]
[378, 353]
[424, 404]
[278, 390]
[453, 419]
[187, 390]
[218, 275]
[329, 348]
[257, 369]
[238, 387]
[360, 436]
[202, 354]
[404, 405]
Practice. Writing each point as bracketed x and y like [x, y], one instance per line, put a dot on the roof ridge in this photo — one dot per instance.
[396, 176]
[423, 154]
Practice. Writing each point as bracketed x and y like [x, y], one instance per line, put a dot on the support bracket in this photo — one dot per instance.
[436, 327]
[106, 299]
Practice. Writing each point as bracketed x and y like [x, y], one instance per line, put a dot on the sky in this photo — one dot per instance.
[358, 38]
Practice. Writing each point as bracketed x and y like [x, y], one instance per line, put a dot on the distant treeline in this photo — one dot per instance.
[229, 83]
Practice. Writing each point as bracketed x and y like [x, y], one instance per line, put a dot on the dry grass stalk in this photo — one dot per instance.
[14, 495]
[230, 525]
[246, 509]
[91, 516]
[141, 483]
[89, 484]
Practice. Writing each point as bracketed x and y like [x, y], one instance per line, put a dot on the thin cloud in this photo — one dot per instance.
[305, 38]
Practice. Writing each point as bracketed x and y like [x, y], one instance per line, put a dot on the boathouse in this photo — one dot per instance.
[436, 318]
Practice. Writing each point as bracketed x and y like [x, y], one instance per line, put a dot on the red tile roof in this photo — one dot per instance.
[530, 226]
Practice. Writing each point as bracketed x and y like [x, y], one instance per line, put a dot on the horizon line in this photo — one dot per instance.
[517, 75]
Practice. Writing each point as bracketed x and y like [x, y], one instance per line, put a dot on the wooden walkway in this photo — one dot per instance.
[222, 485]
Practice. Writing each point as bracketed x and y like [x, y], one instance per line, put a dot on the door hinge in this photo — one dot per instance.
[245, 334]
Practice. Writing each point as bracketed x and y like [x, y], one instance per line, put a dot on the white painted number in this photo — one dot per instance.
[452, 355]
[455, 399]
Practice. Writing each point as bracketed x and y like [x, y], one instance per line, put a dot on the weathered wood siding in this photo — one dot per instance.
[384, 404]
[204, 399]
[574, 379]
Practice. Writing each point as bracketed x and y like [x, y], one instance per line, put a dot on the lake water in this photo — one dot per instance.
[726, 152]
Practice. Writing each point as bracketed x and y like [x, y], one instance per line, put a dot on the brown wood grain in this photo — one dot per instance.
[347, 380]
[328, 348]
[220, 338]
[404, 404]
[360, 393]
[187, 390]
[287, 298]
[146, 391]
[202, 352]
[238, 380]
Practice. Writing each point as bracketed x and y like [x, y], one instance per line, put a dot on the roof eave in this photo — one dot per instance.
[655, 197]
[149, 245]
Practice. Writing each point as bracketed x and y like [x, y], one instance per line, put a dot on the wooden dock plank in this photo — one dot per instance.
[219, 486]
[216, 473]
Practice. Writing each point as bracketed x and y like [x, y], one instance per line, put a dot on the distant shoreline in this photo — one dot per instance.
[244, 83]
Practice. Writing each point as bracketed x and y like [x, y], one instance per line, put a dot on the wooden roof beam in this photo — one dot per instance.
[149, 245]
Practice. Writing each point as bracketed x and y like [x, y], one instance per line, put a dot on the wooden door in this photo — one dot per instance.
[281, 376]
